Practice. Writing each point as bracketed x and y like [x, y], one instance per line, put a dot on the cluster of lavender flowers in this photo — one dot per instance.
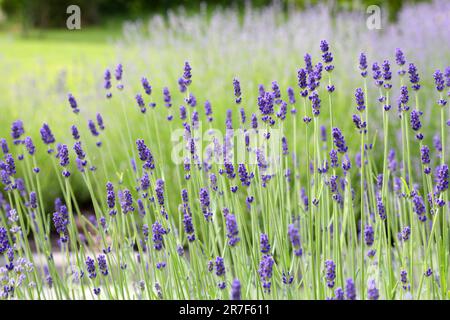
[225, 225]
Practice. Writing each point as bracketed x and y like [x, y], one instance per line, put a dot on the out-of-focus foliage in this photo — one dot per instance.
[52, 13]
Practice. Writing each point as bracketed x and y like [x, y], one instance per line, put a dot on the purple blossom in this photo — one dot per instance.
[29, 145]
[330, 273]
[368, 235]
[350, 289]
[372, 291]
[146, 85]
[158, 233]
[237, 90]
[339, 140]
[232, 229]
[90, 267]
[359, 97]
[294, 237]
[46, 134]
[235, 293]
[264, 243]
[414, 77]
[126, 201]
[441, 179]
[439, 80]
[363, 64]
[419, 207]
[188, 227]
[167, 97]
[73, 103]
[265, 271]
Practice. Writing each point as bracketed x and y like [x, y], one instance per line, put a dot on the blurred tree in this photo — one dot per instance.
[52, 13]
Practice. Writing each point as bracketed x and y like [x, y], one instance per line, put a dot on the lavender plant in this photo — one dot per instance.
[297, 201]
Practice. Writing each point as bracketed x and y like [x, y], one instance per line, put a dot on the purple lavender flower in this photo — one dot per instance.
[339, 294]
[158, 232]
[119, 72]
[291, 95]
[191, 100]
[265, 104]
[359, 123]
[243, 116]
[159, 190]
[29, 145]
[439, 80]
[181, 85]
[372, 291]
[188, 227]
[359, 97]
[46, 134]
[33, 200]
[146, 85]
[208, 110]
[368, 235]
[237, 90]
[419, 207]
[294, 237]
[244, 176]
[414, 77]
[437, 143]
[63, 155]
[330, 273]
[102, 265]
[75, 133]
[220, 266]
[93, 128]
[17, 130]
[61, 220]
[79, 150]
[235, 293]
[107, 78]
[4, 241]
[232, 229]
[380, 207]
[73, 103]
[308, 63]
[265, 271]
[205, 203]
[264, 243]
[404, 279]
[326, 55]
[350, 289]
[404, 98]
[399, 57]
[90, 267]
[387, 74]
[441, 178]
[406, 232]
[167, 97]
[363, 64]
[254, 121]
[4, 146]
[126, 201]
[302, 82]
[315, 103]
[377, 74]
[110, 197]
[339, 140]
[187, 74]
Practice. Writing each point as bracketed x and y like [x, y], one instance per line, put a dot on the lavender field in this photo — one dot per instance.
[270, 155]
